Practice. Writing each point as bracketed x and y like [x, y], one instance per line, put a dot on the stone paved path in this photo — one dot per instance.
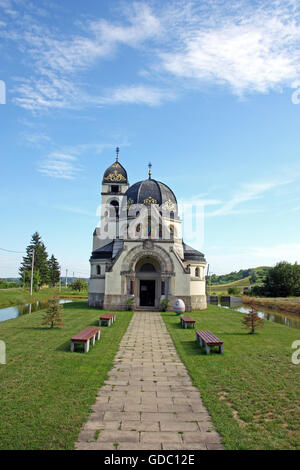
[149, 401]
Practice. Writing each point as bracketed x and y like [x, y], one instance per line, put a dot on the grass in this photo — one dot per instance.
[284, 304]
[45, 390]
[19, 296]
[222, 289]
[252, 390]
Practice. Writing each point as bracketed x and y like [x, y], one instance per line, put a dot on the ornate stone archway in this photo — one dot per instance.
[149, 251]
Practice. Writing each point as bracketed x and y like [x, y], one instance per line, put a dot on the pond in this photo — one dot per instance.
[15, 311]
[284, 318]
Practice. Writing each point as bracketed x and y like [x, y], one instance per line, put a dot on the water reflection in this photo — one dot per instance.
[8, 313]
[287, 319]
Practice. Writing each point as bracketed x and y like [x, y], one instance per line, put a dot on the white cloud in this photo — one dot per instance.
[60, 165]
[246, 46]
[138, 94]
[247, 192]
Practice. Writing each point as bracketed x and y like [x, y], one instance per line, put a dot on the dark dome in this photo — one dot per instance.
[116, 173]
[152, 192]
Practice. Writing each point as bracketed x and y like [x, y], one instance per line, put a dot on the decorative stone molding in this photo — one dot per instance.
[157, 252]
[148, 244]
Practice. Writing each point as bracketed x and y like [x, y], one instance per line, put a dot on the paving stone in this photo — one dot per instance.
[148, 401]
[157, 437]
[140, 425]
[182, 426]
[118, 436]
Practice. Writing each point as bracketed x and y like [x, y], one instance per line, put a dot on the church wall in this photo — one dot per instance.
[96, 292]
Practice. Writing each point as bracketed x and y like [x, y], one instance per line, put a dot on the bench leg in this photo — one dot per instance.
[72, 346]
[185, 325]
[201, 343]
[98, 334]
[221, 349]
[87, 346]
[93, 340]
[207, 348]
[100, 322]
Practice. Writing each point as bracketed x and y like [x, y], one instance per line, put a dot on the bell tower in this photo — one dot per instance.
[114, 186]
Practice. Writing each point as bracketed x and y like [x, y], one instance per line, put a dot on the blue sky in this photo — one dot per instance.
[209, 91]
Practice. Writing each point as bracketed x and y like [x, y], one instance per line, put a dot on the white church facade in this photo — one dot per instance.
[138, 251]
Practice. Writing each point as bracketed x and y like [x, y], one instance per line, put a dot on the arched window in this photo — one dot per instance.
[114, 209]
[172, 215]
[197, 272]
[98, 269]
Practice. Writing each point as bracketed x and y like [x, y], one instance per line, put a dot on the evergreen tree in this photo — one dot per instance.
[252, 321]
[54, 314]
[54, 271]
[41, 268]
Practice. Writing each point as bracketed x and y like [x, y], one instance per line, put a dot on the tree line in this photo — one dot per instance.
[281, 281]
[45, 270]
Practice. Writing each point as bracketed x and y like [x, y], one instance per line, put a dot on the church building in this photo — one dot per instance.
[138, 254]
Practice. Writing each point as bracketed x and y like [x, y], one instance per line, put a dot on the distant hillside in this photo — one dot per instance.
[249, 276]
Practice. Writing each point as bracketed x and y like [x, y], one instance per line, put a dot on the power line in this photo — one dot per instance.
[11, 251]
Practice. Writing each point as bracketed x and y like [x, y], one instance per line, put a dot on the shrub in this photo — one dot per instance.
[164, 304]
[79, 285]
[233, 290]
[252, 321]
[54, 313]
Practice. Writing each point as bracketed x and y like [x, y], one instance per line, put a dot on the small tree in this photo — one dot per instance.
[252, 321]
[79, 285]
[54, 314]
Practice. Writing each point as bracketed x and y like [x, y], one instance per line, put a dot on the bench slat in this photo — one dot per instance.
[85, 334]
[208, 337]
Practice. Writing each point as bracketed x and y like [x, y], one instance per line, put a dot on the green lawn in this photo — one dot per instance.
[45, 390]
[252, 390]
[19, 296]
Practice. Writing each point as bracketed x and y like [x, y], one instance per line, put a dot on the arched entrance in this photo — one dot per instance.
[148, 282]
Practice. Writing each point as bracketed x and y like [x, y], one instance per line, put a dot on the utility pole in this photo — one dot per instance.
[66, 278]
[207, 280]
[31, 276]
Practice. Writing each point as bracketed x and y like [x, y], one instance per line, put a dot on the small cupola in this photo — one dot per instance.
[116, 174]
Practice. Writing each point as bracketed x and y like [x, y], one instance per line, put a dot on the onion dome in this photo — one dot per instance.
[116, 173]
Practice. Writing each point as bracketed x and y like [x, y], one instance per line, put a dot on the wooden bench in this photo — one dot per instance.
[108, 319]
[209, 340]
[84, 337]
[185, 321]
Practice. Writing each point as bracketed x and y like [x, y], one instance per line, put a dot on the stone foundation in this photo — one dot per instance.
[114, 302]
[198, 302]
[95, 300]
